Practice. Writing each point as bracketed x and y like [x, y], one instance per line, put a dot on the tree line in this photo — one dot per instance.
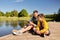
[15, 13]
[24, 13]
[55, 16]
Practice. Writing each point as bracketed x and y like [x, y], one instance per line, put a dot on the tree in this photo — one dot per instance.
[49, 16]
[23, 13]
[1, 13]
[58, 15]
[8, 14]
[14, 13]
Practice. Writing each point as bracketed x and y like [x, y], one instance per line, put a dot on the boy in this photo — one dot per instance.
[42, 26]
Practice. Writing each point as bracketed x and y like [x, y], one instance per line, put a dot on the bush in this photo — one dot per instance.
[23, 13]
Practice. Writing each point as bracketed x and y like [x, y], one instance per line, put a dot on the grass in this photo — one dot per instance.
[48, 18]
[14, 18]
[19, 18]
[23, 18]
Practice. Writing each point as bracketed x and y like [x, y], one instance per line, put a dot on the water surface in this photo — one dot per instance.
[6, 27]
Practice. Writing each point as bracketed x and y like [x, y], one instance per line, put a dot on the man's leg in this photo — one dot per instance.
[25, 29]
[19, 32]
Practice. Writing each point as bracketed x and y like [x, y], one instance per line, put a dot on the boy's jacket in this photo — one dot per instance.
[44, 24]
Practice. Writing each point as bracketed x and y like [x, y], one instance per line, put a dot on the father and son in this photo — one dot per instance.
[36, 25]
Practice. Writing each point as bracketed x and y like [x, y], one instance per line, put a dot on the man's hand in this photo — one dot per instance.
[31, 23]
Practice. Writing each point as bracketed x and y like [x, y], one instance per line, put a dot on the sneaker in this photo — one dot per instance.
[16, 32]
[48, 34]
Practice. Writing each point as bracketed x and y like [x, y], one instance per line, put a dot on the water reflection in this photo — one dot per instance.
[1, 23]
[13, 24]
[7, 26]
[22, 23]
[7, 23]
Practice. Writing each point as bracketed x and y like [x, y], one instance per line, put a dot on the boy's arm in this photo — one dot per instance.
[45, 27]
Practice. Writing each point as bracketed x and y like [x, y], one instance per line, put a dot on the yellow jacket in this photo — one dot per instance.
[44, 24]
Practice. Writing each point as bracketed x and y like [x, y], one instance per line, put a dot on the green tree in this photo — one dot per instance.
[23, 13]
[14, 13]
[8, 14]
[49, 16]
[58, 15]
[1, 13]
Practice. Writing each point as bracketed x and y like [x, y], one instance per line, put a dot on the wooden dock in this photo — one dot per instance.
[53, 26]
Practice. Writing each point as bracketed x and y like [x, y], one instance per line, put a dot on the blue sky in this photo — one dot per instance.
[43, 6]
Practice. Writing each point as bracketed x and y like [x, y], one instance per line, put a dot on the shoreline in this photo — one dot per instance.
[5, 36]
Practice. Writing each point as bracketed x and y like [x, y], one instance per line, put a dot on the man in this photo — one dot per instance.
[29, 26]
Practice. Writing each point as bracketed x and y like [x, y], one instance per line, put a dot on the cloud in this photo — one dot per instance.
[19, 0]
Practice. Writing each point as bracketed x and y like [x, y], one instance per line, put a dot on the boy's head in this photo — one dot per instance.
[35, 13]
[40, 17]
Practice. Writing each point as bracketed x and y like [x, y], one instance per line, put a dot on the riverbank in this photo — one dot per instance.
[53, 26]
[14, 18]
[19, 18]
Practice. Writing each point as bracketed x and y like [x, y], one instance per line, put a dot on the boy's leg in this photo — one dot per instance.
[37, 32]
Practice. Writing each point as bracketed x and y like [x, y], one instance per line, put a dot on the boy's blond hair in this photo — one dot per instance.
[41, 15]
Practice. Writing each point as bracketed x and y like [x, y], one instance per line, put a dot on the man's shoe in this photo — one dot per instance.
[16, 32]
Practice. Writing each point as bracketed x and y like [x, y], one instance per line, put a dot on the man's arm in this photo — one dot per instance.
[31, 21]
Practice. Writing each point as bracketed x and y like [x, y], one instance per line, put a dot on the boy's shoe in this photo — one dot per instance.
[42, 35]
[48, 34]
[16, 32]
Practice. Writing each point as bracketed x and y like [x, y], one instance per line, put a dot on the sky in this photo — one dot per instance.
[43, 6]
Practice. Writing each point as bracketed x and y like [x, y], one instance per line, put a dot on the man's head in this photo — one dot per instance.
[35, 13]
[40, 17]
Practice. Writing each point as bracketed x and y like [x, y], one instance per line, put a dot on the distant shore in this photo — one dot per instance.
[18, 18]
[14, 18]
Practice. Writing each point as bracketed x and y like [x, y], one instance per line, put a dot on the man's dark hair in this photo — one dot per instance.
[35, 11]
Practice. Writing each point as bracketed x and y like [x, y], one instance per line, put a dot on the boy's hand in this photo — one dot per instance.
[38, 32]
